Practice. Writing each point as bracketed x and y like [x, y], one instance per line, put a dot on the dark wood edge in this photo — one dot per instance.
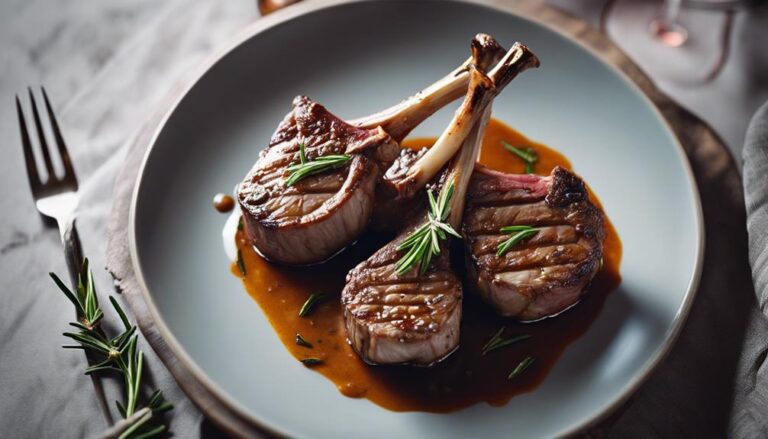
[689, 129]
[120, 267]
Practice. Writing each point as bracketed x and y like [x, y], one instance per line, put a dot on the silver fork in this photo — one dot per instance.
[57, 198]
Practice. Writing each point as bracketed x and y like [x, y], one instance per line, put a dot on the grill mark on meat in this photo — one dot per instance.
[329, 182]
[486, 220]
[385, 275]
[297, 205]
[544, 275]
[512, 200]
[550, 235]
[535, 257]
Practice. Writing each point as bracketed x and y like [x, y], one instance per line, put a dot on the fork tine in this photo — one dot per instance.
[41, 136]
[69, 171]
[29, 156]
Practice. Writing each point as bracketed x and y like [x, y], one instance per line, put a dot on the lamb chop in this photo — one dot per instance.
[552, 248]
[403, 304]
[312, 190]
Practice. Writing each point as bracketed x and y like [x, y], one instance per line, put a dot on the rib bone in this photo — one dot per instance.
[518, 59]
[395, 198]
[401, 119]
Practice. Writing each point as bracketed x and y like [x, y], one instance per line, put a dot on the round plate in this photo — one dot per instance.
[356, 58]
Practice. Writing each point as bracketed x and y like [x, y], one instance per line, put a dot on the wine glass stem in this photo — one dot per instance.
[672, 11]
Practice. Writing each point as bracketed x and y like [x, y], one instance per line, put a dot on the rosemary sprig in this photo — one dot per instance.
[424, 242]
[85, 300]
[305, 168]
[520, 233]
[521, 367]
[301, 341]
[498, 342]
[118, 354]
[527, 155]
[309, 362]
[310, 303]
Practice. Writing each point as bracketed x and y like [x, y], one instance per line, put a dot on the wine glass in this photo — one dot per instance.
[667, 28]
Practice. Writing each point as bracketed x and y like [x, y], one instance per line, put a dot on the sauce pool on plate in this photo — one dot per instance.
[467, 376]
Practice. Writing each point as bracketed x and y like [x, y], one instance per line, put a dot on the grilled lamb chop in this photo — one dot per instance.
[399, 315]
[546, 273]
[310, 220]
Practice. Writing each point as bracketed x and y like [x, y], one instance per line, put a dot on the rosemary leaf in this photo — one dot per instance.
[121, 409]
[306, 168]
[510, 229]
[67, 292]
[94, 369]
[527, 155]
[120, 313]
[310, 303]
[301, 341]
[520, 233]
[150, 433]
[424, 242]
[79, 326]
[240, 262]
[500, 343]
[521, 367]
[493, 339]
[302, 153]
[309, 362]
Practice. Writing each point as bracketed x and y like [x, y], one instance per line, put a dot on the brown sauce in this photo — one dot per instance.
[223, 203]
[464, 378]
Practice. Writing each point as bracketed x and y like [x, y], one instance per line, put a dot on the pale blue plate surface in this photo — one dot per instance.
[358, 58]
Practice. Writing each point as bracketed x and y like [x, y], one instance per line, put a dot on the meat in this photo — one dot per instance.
[548, 271]
[400, 314]
[308, 221]
[402, 319]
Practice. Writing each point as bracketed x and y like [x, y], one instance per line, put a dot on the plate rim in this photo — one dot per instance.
[524, 10]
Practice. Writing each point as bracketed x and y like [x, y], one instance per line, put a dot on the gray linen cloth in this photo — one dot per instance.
[110, 92]
[151, 46]
[750, 414]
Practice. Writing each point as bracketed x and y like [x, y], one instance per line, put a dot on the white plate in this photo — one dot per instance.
[357, 58]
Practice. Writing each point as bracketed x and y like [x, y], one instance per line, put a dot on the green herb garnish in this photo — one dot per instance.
[310, 303]
[305, 168]
[117, 354]
[424, 242]
[497, 342]
[311, 361]
[520, 368]
[520, 233]
[527, 155]
[301, 341]
[240, 262]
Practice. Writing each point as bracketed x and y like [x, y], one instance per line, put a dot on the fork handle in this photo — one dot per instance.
[73, 254]
[73, 251]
